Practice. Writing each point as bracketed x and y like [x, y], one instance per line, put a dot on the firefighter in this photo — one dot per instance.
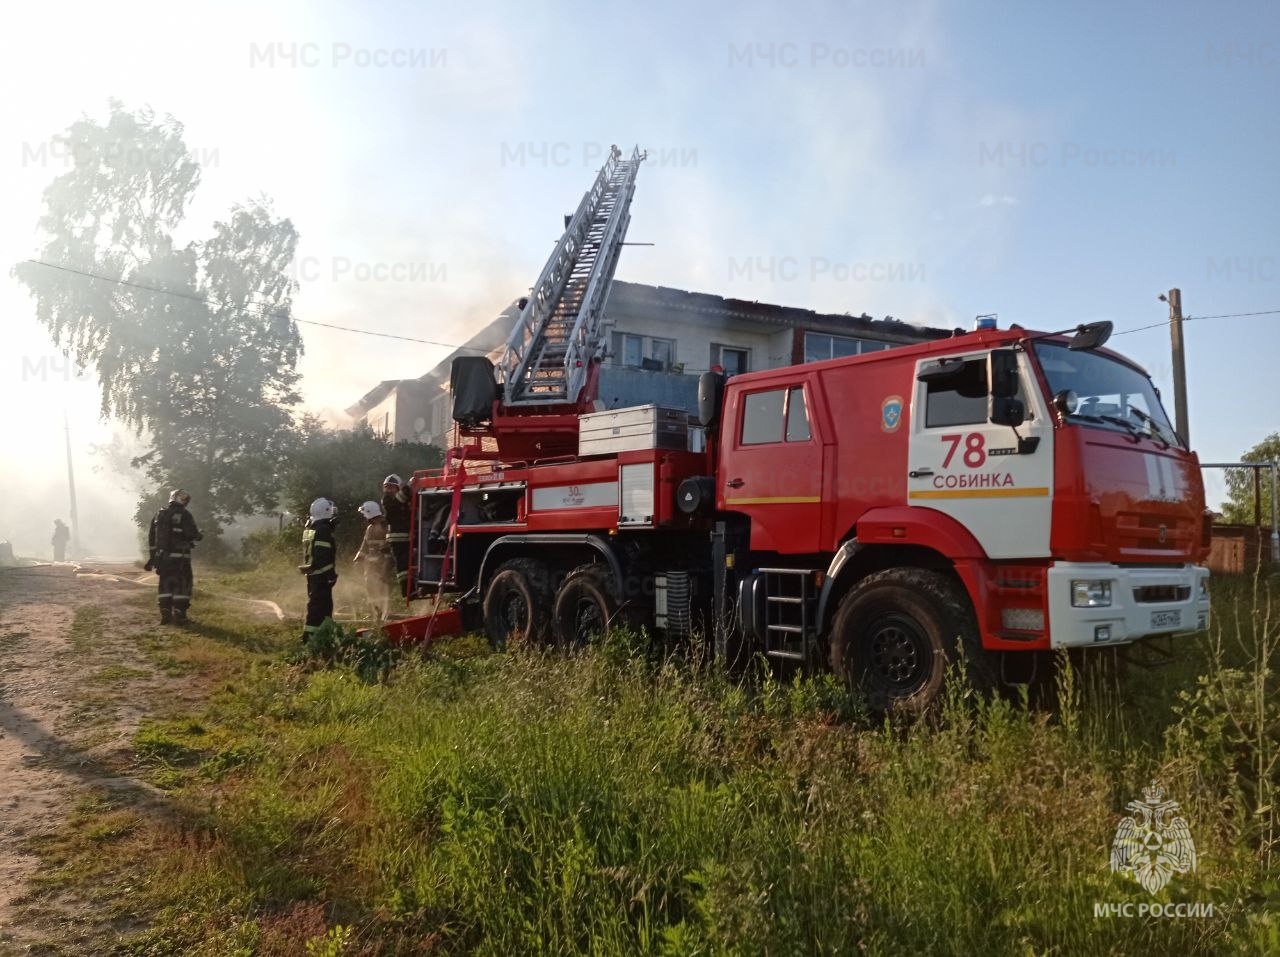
[395, 506]
[172, 535]
[61, 535]
[319, 555]
[377, 560]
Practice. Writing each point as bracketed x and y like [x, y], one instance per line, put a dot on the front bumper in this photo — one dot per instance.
[1144, 602]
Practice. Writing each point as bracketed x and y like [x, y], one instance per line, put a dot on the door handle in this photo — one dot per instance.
[920, 473]
[735, 483]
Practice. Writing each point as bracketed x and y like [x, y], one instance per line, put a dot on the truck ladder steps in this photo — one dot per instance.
[790, 613]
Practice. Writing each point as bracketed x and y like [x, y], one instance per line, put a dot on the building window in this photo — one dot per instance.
[765, 414]
[439, 417]
[662, 350]
[643, 352]
[819, 346]
[632, 350]
[958, 399]
[733, 359]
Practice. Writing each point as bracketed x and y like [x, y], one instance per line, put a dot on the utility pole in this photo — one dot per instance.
[1179, 366]
[71, 486]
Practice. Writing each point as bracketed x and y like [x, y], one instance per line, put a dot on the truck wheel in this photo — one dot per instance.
[895, 634]
[586, 604]
[517, 604]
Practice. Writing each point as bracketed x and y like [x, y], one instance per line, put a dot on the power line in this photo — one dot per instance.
[1236, 315]
[262, 305]
[1225, 315]
[1154, 325]
[390, 335]
[129, 282]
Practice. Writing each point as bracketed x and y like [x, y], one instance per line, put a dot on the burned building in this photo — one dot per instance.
[660, 340]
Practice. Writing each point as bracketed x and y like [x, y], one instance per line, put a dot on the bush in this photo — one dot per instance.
[274, 546]
[348, 467]
[368, 655]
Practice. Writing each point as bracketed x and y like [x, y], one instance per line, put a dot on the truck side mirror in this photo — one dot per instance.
[1008, 411]
[1002, 373]
[710, 398]
[1090, 336]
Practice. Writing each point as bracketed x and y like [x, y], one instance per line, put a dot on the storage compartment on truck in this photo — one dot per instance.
[632, 430]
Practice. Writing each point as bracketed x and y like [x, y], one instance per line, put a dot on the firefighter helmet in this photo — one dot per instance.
[181, 496]
[370, 510]
[323, 508]
[392, 479]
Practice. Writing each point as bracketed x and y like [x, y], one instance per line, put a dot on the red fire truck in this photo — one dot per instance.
[999, 493]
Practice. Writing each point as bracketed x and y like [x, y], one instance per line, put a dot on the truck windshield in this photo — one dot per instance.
[1109, 394]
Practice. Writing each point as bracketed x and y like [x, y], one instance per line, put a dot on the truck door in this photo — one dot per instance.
[771, 467]
[995, 481]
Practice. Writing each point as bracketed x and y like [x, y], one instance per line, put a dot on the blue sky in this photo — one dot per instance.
[1053, 163]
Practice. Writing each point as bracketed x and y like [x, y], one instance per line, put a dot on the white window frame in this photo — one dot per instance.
[647, 348]
[861, 343]
[671, 351]
[721, 347]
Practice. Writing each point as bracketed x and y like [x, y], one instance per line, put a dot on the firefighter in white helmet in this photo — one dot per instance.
[376, 557]
[172, 535]
[395, 507]
[319, 558]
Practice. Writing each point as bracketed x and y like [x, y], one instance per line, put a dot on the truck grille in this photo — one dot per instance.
[1156, 594]
[1171, 533]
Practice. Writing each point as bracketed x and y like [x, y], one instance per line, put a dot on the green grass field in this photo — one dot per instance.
[617, 803]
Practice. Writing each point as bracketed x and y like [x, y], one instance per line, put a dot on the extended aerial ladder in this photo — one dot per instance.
[548, 374]
[558, 339]
[549, 368]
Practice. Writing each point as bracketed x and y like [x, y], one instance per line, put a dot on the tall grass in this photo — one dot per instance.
[605, 803]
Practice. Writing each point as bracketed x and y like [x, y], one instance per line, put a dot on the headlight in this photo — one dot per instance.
[1090, 594]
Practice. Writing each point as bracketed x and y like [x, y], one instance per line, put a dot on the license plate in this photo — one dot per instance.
[1166, 619]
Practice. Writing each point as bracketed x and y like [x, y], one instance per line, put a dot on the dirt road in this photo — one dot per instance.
[61, 737]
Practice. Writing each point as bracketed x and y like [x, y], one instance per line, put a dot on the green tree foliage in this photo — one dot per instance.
[193, 345]
[1240, 497]
[347, 467]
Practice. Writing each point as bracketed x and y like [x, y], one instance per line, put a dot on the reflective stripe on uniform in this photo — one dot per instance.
[311, 629]
[397, 536]
[318, 571]
[321, 543]
[165, 594]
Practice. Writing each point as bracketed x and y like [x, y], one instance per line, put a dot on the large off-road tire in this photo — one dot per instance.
[586, 607]
[895, 634]
[517, 604]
